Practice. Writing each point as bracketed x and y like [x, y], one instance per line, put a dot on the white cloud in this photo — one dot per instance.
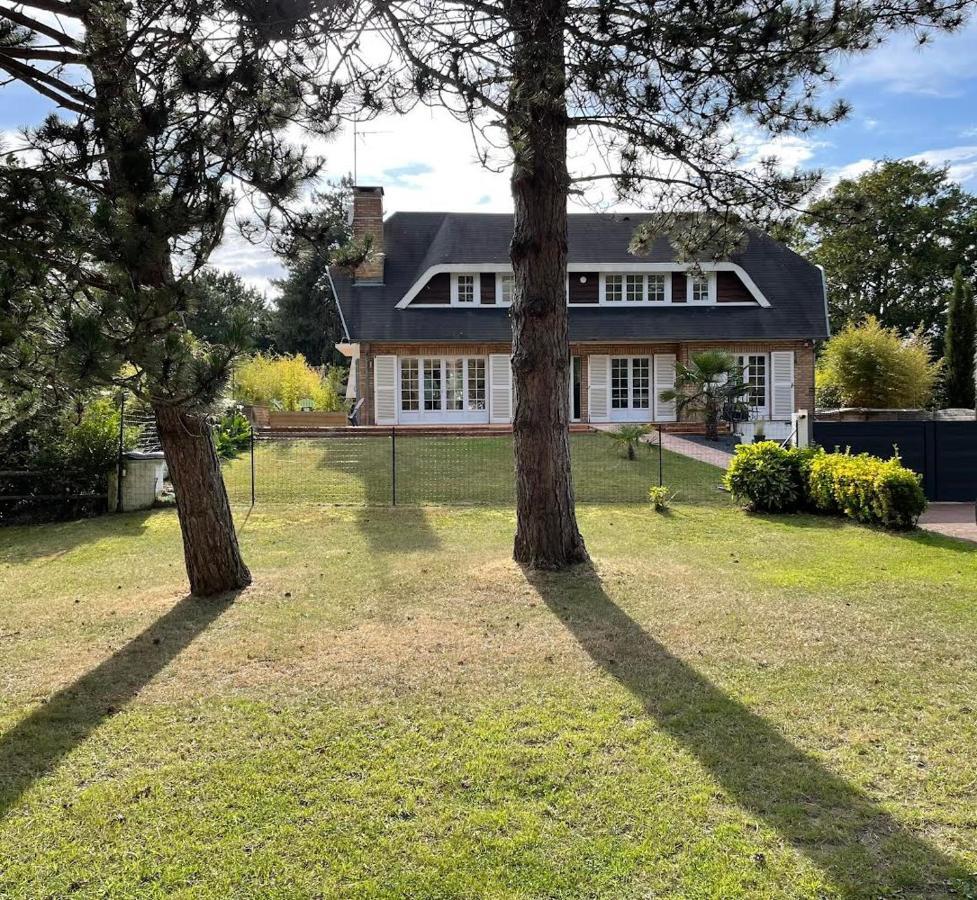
[960, 161]
[902, 66]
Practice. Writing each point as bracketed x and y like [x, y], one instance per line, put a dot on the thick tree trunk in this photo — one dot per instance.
[214, 563]
[547, 536]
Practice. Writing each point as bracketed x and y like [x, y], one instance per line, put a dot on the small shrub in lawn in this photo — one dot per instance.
[767, 477]
[660, 497]
[865, 488]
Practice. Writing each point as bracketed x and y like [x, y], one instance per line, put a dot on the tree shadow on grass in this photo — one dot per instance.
[855, 842]
[401, 529]
[36, 744]
[920, 536]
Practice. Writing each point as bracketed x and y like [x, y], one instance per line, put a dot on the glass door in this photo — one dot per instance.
[631, 389]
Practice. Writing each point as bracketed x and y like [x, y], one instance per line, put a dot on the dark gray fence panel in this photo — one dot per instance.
[944, 453]
[956, 456]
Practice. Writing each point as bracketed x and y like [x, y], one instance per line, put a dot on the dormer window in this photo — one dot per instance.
[701, 288]
[636, 287]
[505, 282]
[465, 289]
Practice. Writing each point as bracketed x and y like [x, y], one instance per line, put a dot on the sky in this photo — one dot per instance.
[907, 102]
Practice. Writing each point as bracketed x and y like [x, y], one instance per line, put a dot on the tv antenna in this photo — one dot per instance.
[357, 137]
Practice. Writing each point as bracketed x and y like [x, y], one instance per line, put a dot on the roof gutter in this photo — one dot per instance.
[824, 291]
[335, 297]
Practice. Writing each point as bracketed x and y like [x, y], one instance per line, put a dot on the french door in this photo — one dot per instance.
[444, 390]
[631, 389]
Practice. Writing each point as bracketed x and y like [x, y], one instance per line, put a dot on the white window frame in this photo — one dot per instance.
[624, 303]
[742, 360]
[499, 278]
[710, 279]
[631, 412]
[476, 290]
[420, 415]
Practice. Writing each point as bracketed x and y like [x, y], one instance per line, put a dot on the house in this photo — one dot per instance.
[428, 334]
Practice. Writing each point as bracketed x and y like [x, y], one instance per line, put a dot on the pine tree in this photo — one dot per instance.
[961, 346]
[171, 114]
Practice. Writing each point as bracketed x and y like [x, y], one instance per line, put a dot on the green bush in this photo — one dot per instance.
[868, 489]
[767, 477]
[232, 435]
[865, 488]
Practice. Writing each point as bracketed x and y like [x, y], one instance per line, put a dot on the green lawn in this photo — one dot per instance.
[451, 470]
[728, 706]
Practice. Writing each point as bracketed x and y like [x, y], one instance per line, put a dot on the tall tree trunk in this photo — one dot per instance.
[547, 536]
[213, 559]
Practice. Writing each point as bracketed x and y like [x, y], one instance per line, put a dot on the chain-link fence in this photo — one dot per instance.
[405, 469]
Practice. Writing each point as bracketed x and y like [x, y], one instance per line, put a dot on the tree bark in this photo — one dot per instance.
[547, 536]
[213, 558]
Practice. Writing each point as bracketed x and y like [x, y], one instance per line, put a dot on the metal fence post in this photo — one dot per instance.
[120, 465]
[661, 480]
[252, 464]
[393, 466]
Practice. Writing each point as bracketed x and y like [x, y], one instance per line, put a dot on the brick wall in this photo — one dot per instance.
[803, 361]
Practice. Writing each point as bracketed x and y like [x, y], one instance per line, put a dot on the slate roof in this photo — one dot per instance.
[414, 242]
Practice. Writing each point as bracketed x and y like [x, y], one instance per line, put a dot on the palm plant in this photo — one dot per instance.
[712, 381]
[628, 437]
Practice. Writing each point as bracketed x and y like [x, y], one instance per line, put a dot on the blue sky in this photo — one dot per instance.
[907, 102]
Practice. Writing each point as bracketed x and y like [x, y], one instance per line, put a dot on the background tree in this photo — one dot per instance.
[659, 91]
[867, 365]
[960, 346]
[170, 112]
[220, 304]
[306, 318]
[889, 242]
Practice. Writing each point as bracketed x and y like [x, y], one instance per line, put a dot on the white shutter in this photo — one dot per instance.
[385, 390]
[782, 384]
[598, 388]
[664, 380]
[500, 388]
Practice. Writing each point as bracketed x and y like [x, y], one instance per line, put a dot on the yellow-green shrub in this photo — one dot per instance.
[868, 365]
[283, 382]
[866, 488]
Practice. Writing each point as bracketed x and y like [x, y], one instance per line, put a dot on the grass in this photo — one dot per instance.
[725, 706]
[451, 470]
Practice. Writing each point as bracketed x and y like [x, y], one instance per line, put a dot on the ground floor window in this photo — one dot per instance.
[755, 375]
[432, 385]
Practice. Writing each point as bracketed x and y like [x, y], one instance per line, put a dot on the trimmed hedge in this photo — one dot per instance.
[867, 489]
[770, 478]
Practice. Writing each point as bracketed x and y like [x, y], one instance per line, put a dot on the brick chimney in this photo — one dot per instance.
[368, 221]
